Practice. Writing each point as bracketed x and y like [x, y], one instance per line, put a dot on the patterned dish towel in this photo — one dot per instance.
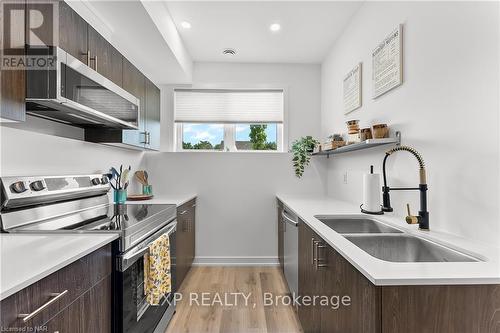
[157, 278]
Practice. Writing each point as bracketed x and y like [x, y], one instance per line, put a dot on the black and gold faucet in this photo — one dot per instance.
[423, 215]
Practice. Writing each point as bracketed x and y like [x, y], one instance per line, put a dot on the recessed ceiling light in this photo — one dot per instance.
[275, 27]
[229, 52]
[186, 25]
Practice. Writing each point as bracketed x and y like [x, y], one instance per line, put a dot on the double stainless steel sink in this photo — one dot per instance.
[391, 244]
[354, 225]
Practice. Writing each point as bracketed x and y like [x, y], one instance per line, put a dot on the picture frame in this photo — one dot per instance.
[352, 89]
[387, 63]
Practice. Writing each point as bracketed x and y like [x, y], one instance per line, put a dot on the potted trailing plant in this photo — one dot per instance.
[302, 149]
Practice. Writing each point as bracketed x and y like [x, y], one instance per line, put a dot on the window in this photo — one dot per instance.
[256, 136]
[203, 136]
[229, 120]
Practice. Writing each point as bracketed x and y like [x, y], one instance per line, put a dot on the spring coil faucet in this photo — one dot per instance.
[423, 215]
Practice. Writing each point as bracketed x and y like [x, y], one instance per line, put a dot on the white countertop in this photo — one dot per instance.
[381, 272]
[27, 258]
[174, 199]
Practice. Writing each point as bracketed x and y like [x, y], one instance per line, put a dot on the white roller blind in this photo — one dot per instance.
[228, 106]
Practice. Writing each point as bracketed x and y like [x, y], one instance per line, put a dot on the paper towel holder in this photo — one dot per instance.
[381, 212]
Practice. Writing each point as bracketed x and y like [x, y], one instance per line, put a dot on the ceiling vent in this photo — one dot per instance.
[229, 52]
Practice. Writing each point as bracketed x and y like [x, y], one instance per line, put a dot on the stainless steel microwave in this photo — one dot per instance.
[71, 92]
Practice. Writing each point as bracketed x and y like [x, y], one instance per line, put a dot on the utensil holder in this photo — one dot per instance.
[147, 189]
[120, 196]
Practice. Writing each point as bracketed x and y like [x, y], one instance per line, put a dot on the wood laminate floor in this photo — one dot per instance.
[203, 284]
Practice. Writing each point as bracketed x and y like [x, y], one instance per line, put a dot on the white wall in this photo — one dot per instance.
[447, 108]
[29, 153]
[236, 221]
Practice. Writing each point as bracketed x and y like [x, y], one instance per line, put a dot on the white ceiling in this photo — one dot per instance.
[308, 29]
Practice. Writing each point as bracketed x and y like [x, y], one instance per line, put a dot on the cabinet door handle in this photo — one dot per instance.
[183, 212]
[87, 55]
[56, 297]
[313, 255]
[94, 58]
[319, 245]
[315, 251]
[145, 138]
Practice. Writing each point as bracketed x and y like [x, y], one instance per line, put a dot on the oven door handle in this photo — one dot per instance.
[129, 258]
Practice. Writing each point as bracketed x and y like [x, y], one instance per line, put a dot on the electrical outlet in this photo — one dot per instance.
[345, 177]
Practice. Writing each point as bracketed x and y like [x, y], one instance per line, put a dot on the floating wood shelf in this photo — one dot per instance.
[370, 143]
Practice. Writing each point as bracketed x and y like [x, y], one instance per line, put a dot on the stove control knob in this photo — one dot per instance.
[37, 185]
[95, 181]
[104, 180]
[18, 187]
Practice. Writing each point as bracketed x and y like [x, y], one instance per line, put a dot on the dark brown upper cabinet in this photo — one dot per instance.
[138, 85]
[82, 41]
[148, 134]
[135, 83]
[12, 105]
[104, 58]
[152, 116]
[13, 82]
[73, 33]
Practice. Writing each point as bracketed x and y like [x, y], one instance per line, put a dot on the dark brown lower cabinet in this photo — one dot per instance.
[386, 309]
[89, 313]
[84, 307]
[441, 309]
[309, 280]
[341, 280]
[324, 273]
[185, 239]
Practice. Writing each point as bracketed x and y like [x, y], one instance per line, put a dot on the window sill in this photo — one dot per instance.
[229, 152]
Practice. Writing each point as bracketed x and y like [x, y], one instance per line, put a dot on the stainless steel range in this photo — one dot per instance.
[80, 204]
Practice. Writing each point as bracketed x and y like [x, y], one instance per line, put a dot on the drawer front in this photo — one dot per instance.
[27, 301]
[84, 273]
[76, 278]
[185, 217]
[188, 206]
[91, 312]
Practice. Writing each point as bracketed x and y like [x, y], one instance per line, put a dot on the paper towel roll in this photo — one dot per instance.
[371, 192]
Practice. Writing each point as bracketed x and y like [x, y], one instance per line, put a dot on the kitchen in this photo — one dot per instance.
[233, 208]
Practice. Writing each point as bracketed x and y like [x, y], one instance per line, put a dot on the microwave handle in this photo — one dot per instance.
[128, 259]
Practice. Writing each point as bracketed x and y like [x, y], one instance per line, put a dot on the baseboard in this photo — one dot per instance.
[236, 261]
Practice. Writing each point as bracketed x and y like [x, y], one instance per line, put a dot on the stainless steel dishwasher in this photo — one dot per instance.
[291, 249]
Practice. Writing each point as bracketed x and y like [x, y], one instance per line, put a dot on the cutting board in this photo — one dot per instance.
[139, 197]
